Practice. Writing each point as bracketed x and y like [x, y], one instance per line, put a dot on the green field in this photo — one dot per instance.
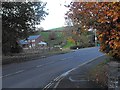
[45, 35]
[59, 38]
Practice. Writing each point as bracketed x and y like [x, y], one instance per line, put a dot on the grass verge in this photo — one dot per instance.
[100, 73]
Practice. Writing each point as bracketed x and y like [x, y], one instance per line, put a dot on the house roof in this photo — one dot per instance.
[23, 42]
[33, 37]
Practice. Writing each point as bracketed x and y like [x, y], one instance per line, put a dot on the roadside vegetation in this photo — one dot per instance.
[69, 44]
[29, 55]
[103, 18]
[100, 73]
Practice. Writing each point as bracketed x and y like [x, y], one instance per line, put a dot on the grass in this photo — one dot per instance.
[104, 63]
[60, 37]
[45, 35]
[99, 73]
[69, 44]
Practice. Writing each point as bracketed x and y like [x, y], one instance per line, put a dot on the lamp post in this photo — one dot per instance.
[95, 37]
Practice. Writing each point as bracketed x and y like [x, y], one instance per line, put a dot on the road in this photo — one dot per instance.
[38, 73]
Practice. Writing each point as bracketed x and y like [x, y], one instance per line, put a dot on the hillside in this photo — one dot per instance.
[57, 29]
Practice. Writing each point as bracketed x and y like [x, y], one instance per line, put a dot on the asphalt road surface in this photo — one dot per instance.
[38, 73]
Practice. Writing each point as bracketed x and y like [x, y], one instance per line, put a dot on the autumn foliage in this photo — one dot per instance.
[102, 16]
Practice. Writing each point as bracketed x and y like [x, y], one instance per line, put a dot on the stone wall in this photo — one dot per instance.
[29, 54]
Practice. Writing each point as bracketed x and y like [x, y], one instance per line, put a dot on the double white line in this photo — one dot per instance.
[59, 78]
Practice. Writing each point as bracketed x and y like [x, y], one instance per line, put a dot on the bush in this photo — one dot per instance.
[75, 47]
[16, 49]
[91, 45]
[7, 48]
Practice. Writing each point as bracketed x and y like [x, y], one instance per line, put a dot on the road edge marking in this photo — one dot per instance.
[66, 73]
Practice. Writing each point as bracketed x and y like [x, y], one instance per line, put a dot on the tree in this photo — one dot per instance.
[51, 39]
[72, 33]
[103, 16]
[52, 35]
[19, 20]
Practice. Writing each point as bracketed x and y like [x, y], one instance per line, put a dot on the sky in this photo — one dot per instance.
[56, 10]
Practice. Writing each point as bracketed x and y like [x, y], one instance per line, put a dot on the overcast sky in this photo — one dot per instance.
[56, 14]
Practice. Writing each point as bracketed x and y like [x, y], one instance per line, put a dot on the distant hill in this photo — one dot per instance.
[57, 29]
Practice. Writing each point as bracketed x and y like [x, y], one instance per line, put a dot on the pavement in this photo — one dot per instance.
[79, 77]
[38, 73]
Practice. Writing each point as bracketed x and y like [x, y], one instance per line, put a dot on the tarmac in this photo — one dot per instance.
[79, 78]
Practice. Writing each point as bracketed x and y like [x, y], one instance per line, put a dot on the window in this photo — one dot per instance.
[33, 40]
[33, 45]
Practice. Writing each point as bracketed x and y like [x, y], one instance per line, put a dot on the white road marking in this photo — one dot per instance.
[56, 79]
[44, 64]
[43, 56]
[20, 71]
[66, 58]
[35, 66]
[63, 58]
[39, 66]
[47, 86]
[70, 57]
[50, 85]
[59, 78]
[52, 62]
[58, 83]
[72, 80]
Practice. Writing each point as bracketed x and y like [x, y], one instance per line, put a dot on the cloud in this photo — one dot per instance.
[56, 14]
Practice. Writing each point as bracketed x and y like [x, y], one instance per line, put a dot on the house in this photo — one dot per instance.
[24, 44]
[31, 41]
[34, 40]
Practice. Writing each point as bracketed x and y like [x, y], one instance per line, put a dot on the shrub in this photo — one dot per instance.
[16, 49]
[75, 47]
